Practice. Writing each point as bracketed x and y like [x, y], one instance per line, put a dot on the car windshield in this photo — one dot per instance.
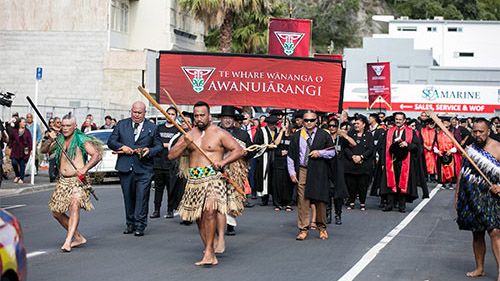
[103, 136]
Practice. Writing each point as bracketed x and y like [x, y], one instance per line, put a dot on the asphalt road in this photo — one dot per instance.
[430, 247]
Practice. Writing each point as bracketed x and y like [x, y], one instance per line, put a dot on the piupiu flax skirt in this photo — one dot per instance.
[209, 193]
[67, 189]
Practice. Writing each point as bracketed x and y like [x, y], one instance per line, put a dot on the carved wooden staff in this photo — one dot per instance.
[443, 128]
[224, 173]
[177, 108]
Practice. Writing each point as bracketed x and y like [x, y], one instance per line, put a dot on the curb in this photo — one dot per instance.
[9, 192]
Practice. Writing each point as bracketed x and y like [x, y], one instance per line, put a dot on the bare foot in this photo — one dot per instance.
[220, 247]
[475, 273]
[80, 240]
[66, 247]
[208, 261]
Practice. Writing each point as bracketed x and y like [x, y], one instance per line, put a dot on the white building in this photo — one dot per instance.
[454, 43]
[94, 53]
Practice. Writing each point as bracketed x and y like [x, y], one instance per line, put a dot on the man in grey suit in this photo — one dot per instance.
[139, 141]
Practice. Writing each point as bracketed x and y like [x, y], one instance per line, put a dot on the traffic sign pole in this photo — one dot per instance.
[35, 122]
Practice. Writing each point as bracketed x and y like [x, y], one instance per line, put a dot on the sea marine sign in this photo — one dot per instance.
[198, 76]
[250, 80]
[289, 40]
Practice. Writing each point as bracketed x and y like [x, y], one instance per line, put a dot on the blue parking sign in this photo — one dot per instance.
[39, 73]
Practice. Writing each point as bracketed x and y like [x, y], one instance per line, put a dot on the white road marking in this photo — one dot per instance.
[36, 253]
[13, 207]
[375, 250]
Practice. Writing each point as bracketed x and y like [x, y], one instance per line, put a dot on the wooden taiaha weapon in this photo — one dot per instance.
[82, 178]
[443, 128]
[177, 108]
[224, 173]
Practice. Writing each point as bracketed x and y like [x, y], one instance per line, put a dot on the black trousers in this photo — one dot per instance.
[357, 184]
[135, 188]
[397, 196]
[163, 179]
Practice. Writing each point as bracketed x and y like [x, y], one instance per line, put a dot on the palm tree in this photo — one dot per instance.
[220, 13]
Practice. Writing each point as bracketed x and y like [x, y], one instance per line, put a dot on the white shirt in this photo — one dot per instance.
[139, 129]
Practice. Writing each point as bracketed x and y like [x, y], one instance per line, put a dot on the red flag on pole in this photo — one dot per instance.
[379, 83]
[289, 37]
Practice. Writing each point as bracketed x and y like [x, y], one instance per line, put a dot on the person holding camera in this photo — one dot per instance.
[20, 146]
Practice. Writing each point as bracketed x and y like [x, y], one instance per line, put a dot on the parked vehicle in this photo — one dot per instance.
[106, 167]
[13, 264]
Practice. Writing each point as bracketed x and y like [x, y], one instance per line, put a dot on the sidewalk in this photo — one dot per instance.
[10, 188]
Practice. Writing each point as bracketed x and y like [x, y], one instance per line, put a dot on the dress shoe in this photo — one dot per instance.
[186, 223]
[264, 203]
[248, 204]
[139, 233]
[387, 209]
[155, 214]
[338, 220]
[302, 236]
[323, 235]
[230, 230]
[402, 210]
[170, 215]
[129, 230]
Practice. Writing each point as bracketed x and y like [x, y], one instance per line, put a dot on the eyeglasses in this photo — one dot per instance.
[332, 126]
[309, 120]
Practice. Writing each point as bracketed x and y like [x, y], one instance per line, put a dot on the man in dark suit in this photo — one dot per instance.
[139, 141]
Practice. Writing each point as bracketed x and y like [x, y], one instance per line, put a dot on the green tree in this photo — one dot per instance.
[331, 20]
[420, 9]
[220, 14]
[489, 9]
[452, 13]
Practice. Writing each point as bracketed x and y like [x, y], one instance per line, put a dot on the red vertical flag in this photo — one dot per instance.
[379, 82]
[289, 37]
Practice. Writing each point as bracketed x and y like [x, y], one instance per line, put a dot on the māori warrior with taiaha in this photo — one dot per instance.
[477, 196]
[70, 193]
[206, 191]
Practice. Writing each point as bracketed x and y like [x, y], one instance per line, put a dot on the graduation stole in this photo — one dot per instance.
[429, 135]
[446, 144]
[405, 169]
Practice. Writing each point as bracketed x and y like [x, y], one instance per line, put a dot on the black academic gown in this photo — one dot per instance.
[317, 183]
[422, 169]
[412, 192]
[336, 172]
[260, 172]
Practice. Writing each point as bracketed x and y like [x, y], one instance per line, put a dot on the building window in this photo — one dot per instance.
[431, 29]
[466, 54]
[119, 16]
[454, 29]
[407, 28]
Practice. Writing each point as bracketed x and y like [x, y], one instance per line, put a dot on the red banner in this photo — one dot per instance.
[289, 37]
[379, 82]
[329, 56]
[250, 80]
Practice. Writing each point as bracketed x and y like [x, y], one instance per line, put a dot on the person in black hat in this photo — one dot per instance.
[298, 119]
[227, 122]
[263, 175]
